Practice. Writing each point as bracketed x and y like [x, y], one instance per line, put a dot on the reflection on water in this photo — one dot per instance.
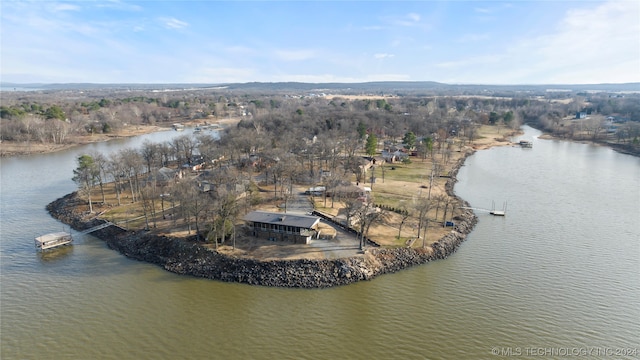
[56, 254]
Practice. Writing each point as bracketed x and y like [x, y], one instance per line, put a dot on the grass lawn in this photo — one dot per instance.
[403, 185]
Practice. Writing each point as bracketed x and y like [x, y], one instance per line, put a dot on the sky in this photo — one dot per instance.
[215, 42]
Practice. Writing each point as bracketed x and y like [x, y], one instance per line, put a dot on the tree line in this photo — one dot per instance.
[282, 140]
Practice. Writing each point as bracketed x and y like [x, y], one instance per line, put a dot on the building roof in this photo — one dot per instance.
[52, 236]
[303, 221]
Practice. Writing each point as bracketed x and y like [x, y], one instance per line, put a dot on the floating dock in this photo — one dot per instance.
[495, 212]
[526, 144]
[491, 211]
[53, 240]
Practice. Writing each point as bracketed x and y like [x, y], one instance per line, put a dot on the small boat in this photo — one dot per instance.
[53, 240]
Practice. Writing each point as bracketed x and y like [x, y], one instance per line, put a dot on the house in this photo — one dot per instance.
[362, 193]
[197, 163]
[388, 156]
[316, 191]
[236, 188]
[293, 228]
[325, 174]
[394, 156]
[164, 176]
[581, 115]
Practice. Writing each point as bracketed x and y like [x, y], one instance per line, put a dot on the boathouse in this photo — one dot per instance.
[292, 228]
[53, 240]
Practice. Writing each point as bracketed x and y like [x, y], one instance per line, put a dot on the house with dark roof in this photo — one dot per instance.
[292, 228]
[163, 176]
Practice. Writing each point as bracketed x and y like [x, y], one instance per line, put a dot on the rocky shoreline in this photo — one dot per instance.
[191, 258]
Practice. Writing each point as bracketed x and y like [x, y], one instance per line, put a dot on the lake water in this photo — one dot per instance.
[560, 274]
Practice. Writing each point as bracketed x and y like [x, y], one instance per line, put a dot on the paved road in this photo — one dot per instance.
[343, 244]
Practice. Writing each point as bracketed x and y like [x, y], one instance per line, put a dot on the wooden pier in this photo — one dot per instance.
[53, 240]
[491, 211]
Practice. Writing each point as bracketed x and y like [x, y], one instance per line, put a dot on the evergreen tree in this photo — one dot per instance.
[409, 139]
[372, 144]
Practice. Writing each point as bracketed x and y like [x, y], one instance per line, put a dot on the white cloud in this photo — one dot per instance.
[471, 38]
[482, 10]
[408, 20]
[295, 55]
[240, 50]
[470, 61]
[600, 44]
[414, 17]
[383, 56]
[173, 23]
[118, 5]
[595, 43]
[65, 7]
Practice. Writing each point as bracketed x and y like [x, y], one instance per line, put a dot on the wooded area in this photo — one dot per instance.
[283, 140]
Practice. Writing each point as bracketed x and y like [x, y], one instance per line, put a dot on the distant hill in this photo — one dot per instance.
[413, 86]
[381, 87]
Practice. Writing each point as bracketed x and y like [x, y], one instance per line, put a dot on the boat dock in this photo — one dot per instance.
[491, 211]
[56, 239]
[526, 144]
[497, 212]
[53, 240]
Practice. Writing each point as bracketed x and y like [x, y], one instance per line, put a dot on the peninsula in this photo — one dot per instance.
[336, 256]
[293, 186]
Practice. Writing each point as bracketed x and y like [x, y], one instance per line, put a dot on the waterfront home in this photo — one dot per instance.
[164, 176]
[274, 226]
[394, 156]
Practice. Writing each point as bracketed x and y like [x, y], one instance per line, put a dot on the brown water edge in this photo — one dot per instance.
[188, 257]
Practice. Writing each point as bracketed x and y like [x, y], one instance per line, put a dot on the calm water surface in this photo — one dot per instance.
[560, 271]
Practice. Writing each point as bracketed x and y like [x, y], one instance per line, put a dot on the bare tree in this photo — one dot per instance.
[448, 201]
[404, 215]
[150, 153]
[101, 165]
[115, 168]
[132, 163]
[438, 200]
[422, 207]
[351, 207]
[368, 214]
[148, 194]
